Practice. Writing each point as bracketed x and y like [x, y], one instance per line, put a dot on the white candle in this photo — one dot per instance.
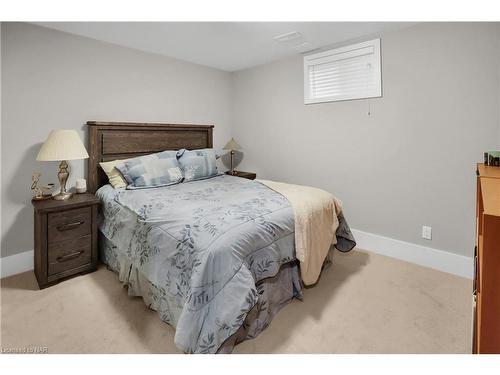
[81, 185]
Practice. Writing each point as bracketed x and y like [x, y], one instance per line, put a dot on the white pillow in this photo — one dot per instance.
[114, 175]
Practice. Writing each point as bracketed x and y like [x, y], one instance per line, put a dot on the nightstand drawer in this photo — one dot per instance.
[69, 224]
[65, 238]
[66, 255]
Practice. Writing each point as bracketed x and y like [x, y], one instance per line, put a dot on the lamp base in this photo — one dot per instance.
[63, 177]
[62, 196]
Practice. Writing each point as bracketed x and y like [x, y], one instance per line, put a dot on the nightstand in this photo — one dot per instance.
[65, 238]
[248, 175]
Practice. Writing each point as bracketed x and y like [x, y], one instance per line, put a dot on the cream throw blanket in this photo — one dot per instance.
[316, 221]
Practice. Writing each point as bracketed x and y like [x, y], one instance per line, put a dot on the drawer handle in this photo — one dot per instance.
[70, 226]
[67, 257]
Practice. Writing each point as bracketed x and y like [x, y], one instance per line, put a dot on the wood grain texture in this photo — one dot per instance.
[122, 140]
[488, 171]
[65, 238]
[69, 224]
[76, 201]
[487, 262]
[133, 142]
[490, 188]
[66, 255]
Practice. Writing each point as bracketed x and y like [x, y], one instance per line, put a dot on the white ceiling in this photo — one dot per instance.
[228, 46]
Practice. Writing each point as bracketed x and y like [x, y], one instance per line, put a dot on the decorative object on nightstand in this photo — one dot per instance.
[81, 186]
[41, 193]
[232, 146]
[65, 238]
[62, 145]
[35, 179]
[247, 175]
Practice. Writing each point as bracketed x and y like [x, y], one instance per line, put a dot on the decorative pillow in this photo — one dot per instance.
[197, 164]
[114, 176]
[160, 169]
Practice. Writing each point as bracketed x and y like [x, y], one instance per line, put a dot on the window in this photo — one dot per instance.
[351, 72]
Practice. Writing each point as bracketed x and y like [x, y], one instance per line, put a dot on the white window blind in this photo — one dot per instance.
[351, 72]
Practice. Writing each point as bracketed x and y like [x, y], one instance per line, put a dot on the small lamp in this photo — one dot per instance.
[62, 145]
[232, 146]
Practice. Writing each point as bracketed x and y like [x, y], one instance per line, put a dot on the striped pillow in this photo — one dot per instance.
[197, 164]
[160, 169]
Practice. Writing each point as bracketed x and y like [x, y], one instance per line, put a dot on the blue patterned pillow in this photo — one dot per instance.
[159, 169]
[197, 164]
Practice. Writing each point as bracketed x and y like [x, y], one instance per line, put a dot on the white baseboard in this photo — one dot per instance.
[17, 263]
[424, 256]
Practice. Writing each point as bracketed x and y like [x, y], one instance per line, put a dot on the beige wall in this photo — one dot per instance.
[412, 161]
[57, 80]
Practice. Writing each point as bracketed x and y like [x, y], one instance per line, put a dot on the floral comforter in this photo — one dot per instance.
[195, 251]
[198, 248]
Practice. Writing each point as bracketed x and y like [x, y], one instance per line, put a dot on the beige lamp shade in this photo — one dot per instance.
[232, 145]
[62, 145]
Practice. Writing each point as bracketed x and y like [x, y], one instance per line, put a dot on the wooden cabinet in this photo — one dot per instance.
[486, 295]
[65, 238]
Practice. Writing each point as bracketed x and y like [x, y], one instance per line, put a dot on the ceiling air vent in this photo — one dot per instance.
[295, 41]
[290, 39]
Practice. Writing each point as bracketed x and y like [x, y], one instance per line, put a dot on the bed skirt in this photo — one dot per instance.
[274, 293]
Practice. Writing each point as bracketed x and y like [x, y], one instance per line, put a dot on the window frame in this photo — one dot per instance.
[308, 61]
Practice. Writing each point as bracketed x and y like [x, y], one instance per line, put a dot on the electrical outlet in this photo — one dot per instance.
[427, 232]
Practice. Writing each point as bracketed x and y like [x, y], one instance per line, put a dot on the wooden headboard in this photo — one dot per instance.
[122, 140]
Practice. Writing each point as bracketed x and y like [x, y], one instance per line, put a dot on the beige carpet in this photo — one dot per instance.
[364, 303]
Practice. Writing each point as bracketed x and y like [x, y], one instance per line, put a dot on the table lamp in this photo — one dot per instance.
[232, 146]
[62, 145]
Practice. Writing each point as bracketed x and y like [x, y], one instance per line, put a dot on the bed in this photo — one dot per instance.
[215, 258]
